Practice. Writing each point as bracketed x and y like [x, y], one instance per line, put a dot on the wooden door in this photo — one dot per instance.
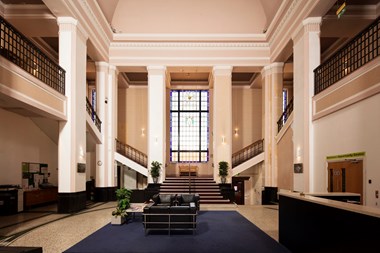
[346, 176]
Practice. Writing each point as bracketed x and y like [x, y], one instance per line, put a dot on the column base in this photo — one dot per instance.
[71, 202]
[105, 194]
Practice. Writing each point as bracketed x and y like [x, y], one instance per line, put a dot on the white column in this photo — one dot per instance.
[306, 48]
[111, 122]
[272, 98]
[156, 117]
[72, 133]
[222, 119]
[102, 102]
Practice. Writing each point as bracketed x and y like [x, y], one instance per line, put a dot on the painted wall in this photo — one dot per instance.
[352, 129]
[132, 117]
[22, 141]
[246, 117]
[285, 160]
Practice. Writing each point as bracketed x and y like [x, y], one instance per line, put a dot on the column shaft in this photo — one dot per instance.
[222, 119]
[156, 118]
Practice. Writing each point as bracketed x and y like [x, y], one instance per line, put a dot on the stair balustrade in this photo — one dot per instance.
[362, 49]
[21, 51]
[90, 110]
[247, 153]
[132, 153]
[285, 115]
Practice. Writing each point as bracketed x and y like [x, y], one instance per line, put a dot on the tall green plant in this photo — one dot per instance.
[223, 168]
[123, 197]
[155, 169]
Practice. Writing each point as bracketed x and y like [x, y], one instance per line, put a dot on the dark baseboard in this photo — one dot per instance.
[105, 194]
[71, 202]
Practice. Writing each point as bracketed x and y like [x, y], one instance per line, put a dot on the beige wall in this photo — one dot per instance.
[132, 117]
[285, 160]
[22, 141]
[246, 117]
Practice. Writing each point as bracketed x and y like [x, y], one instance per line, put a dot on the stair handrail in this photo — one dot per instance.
[90, 110]
[132, 153]
[247, 152]
[285, 115]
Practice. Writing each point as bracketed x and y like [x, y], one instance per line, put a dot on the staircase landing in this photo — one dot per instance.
[207, 188]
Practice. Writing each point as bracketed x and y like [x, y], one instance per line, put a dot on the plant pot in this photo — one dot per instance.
[117, 220]
[223, 180]
[155, 180]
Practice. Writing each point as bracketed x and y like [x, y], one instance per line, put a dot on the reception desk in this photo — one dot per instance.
[315, 224]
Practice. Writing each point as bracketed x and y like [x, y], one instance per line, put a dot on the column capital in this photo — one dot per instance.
[273, 68]
[222, 70]
[112, 68]
[101, 66]
[312, 24]
[159, 69]
[70, 24]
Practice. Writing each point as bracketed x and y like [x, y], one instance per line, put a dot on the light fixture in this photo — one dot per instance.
[236, 132]
[341, 10]
[142, 131]
[223, 139]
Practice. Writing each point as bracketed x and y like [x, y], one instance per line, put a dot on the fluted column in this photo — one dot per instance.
[72, 133]
[156, 118]
[222, 119]
[272, 98]
[306, 47]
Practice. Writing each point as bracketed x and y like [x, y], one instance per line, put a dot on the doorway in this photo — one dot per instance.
[346, 176]
[238, 186]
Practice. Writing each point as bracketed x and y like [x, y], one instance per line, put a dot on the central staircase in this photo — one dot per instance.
[207, 188]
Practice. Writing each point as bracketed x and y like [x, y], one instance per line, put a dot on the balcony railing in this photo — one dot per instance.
[247, 153]
[132, 153]
[360, 50]
[21, 51]
[90, 110]
[285, 115]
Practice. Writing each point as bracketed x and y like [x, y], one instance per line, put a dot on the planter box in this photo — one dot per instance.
[117, 220]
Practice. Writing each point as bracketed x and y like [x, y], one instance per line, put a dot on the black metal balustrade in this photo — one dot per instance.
[90, 110]
[285, 115]
[247, 153]
[132, 153]
[362, 49]
[21, 51]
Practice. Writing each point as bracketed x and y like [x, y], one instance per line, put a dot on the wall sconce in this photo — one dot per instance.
[142, 131]
[298, 153]
[223, 140]
[236, 132]
[156, 140]
[81, 153]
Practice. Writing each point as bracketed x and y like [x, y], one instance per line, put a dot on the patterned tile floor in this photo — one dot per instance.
[44, 227]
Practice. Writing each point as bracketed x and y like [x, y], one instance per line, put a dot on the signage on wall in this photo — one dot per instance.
[343, 156]
[81, 168]
[298, 168]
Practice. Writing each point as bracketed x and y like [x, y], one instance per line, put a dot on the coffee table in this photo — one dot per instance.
[135, 208]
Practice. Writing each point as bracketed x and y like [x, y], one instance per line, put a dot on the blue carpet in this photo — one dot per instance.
[217, 231]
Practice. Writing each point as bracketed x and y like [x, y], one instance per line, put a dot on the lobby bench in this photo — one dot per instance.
[186, 170]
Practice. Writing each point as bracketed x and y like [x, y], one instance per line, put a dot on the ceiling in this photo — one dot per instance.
[334, 33]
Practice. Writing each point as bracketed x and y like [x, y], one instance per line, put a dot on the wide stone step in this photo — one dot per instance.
[214, 201]
[192, 186]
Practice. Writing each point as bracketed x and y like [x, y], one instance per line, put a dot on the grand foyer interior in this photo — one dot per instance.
[252, 62]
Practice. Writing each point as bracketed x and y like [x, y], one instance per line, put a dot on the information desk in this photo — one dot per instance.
[314, 224]
[40, 196]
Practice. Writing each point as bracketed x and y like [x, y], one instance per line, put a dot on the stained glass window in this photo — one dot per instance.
[189, 124]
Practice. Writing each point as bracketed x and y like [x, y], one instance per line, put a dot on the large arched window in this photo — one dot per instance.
[189, 124]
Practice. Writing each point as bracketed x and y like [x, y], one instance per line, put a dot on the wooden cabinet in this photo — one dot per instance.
[40, 196]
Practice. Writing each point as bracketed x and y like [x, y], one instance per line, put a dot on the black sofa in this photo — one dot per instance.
[171, 212]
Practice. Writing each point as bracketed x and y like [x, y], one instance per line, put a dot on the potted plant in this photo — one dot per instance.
[223, 171]
[123, 197]
[155, 171]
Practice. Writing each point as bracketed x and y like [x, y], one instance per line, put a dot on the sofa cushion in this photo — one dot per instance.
[187, 198]
[165, 198]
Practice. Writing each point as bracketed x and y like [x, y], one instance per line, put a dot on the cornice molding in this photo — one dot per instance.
[190, 44]
[192, 37]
